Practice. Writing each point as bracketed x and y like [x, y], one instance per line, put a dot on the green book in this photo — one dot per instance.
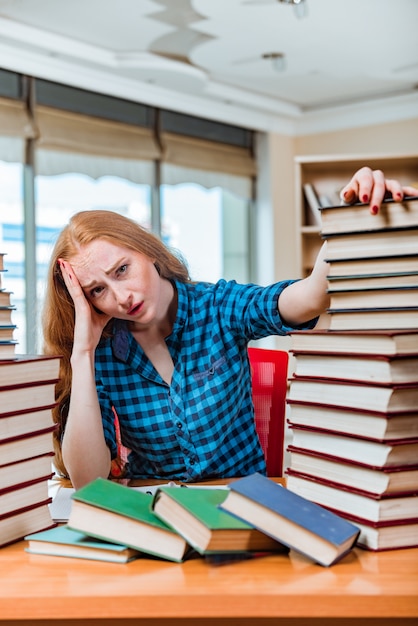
[63, 541]
[116, 513]
[194, 513]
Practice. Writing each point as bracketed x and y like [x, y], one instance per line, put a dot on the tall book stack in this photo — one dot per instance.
[353, 395]
[27, 396]
[7, 342]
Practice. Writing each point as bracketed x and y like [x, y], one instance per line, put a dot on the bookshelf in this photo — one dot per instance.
[328, 174]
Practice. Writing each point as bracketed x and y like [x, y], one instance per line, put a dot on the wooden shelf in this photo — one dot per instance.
[328, 174]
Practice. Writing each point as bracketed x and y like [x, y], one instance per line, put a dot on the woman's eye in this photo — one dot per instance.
[96, 292]
[122, 269]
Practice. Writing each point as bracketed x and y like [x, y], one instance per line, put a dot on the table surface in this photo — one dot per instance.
[364, 584]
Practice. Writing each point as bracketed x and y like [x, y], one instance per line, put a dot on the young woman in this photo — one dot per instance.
[167, 356]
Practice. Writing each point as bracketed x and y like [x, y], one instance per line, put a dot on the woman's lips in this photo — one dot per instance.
[134, 310]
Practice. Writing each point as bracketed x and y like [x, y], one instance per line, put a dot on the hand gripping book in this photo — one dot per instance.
[291, 519]
[195, 514]
[116, 513]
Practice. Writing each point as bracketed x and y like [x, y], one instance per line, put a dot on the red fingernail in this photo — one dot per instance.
[346, 194]
[374, 210]
[399, 195]
[365, 198]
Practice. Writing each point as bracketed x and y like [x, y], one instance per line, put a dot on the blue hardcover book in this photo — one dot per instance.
[298, 523]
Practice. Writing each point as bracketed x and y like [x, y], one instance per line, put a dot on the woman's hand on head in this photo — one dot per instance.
[370, 186]
[89, 322]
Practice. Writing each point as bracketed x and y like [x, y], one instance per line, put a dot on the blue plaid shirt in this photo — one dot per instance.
[202, 425]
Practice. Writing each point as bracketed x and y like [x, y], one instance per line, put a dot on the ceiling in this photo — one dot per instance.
[347, 62]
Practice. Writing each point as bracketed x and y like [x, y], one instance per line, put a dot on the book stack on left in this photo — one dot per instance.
[27, 396]
[7, 328]
[353, 397]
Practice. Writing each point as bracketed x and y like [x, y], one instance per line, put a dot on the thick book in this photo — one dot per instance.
[357, 395]
[6, 315]
[23, 369]
[373, 368]
[383, 342]
[402, 264]
[357, 217]
[16, 424]
[372, 281]
[378, 536]
[19, 472]
[195, 514]
[6, 333]
[384, 243]
[395, 318]
[63, 541]
[292, 520]
[344, 500]
[29, 493]
[378, 482]
[5, 298]
[7, 349]
[26, 446]
[32, 519]
[371, 453]
[387, 298]
[27, 396]
[348, 421]
[114, 512]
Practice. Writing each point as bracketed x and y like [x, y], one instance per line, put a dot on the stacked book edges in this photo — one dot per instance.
[353, 415]
[7, 328]
[373, 265]
[27, 397]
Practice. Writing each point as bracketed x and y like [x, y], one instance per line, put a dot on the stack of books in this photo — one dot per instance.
[252, 517]
[7, 328]
[27, 396]
[353, 395]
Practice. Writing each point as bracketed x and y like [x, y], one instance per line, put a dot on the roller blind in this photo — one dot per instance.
[202, 154]
[73, 132]
[15, 127]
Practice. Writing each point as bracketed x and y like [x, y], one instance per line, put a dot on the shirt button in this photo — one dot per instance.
[179, 425]
[192, 461]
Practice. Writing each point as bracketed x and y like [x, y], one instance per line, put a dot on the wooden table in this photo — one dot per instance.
[363, 588]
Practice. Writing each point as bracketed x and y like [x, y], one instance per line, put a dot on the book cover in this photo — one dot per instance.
[384, 342]
[344, 500]
[379, 426]
[114, 512]
[291, 519]
[356, 394]
[357, 217]
[195, 514]
[24, 369]
[62, 541]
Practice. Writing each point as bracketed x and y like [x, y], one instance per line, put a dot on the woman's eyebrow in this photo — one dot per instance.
[111, 269]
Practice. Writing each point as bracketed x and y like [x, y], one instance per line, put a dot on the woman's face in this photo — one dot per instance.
[118, 281]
